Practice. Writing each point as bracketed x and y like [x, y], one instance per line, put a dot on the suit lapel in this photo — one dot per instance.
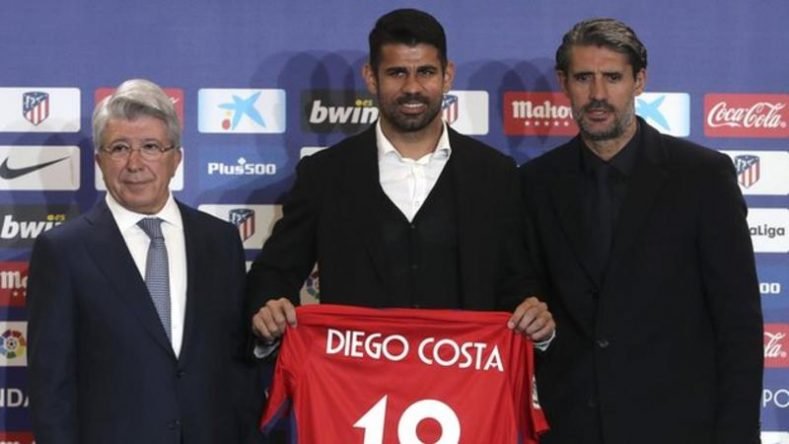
[469, 198]
[567, 191]
[194, 271]
[362, 191]
[112, 257]
[647, 180]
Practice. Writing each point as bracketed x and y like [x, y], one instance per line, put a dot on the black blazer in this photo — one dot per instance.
[332, 216]
[671, 352]
[101, 369]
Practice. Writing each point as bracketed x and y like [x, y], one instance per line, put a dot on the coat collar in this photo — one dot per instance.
[649, 175]
[111, 255]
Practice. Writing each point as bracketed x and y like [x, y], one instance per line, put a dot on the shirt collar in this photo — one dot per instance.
[126, 218]
[385, 147]
[623, 162]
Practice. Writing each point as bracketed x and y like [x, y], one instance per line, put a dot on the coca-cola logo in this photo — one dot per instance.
[746, 115]
[759, 115]
[775, 345]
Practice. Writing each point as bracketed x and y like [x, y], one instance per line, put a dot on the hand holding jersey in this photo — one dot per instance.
[531, 318]
[404, 375]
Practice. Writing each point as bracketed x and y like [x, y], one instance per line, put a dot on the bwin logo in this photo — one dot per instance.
[242, 168]
[651, 111]
[361, 113]
[12, 229]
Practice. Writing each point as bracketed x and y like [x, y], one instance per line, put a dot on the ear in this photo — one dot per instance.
[641, 81]
[449, 76]
[368, 74]
[178, 157]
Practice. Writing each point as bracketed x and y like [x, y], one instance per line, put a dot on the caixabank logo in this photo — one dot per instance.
[21, 224]
[538, 113]
[347, 111]
[17, 438]
[761, 172]
[13, 284]
[746, 115]
[242, 111]
[669, 112]
[776, 345]
[254, 222]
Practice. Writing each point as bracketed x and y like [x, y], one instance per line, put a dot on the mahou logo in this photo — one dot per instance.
[538, 114]
[13, 284]
[16, 438]
[746, 115]
[776, 345]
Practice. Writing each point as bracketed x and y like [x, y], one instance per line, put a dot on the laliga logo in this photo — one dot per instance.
[759, 115]
[12, 344]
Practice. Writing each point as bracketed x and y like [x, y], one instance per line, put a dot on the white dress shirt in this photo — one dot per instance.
[137, 242]
[408, 182]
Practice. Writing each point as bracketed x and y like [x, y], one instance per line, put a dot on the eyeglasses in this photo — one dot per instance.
[148, 150]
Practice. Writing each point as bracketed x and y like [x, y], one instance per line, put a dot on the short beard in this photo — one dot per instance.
[411, 124]
[616, 130]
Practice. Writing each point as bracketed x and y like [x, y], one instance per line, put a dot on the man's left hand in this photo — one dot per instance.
[533, 319]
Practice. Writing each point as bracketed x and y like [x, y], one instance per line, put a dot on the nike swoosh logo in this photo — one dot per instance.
[9, 173]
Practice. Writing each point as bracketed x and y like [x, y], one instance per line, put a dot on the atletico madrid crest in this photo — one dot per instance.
[244, 219]
[449, 109]
[35, 106]
[748, 167]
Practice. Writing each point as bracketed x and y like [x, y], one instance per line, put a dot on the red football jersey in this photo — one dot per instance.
[375, 376]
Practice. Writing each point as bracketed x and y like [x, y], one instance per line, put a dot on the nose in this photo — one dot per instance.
[411, 84]
[599, 89]
[134, 161]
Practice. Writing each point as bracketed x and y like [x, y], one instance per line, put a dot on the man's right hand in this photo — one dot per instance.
[270, 321]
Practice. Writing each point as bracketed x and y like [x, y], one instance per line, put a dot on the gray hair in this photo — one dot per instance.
[135, 98]
[608, 33]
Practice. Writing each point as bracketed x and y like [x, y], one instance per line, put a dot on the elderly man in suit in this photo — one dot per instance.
[648, 268]
[135, 308]
[408, 213]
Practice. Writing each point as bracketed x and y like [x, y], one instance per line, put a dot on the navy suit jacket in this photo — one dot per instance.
[333, 216]
[667, 347]
[101, 368]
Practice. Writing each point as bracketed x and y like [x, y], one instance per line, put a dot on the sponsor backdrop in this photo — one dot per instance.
[258, 84]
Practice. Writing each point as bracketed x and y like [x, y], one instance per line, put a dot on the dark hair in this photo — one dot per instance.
[606, 32]
[410, 27]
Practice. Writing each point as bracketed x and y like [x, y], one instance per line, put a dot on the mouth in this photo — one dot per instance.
[411, 105]
[598, 113]
[138, 183]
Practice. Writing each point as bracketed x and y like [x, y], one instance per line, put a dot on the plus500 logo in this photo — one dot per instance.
[775, 398]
